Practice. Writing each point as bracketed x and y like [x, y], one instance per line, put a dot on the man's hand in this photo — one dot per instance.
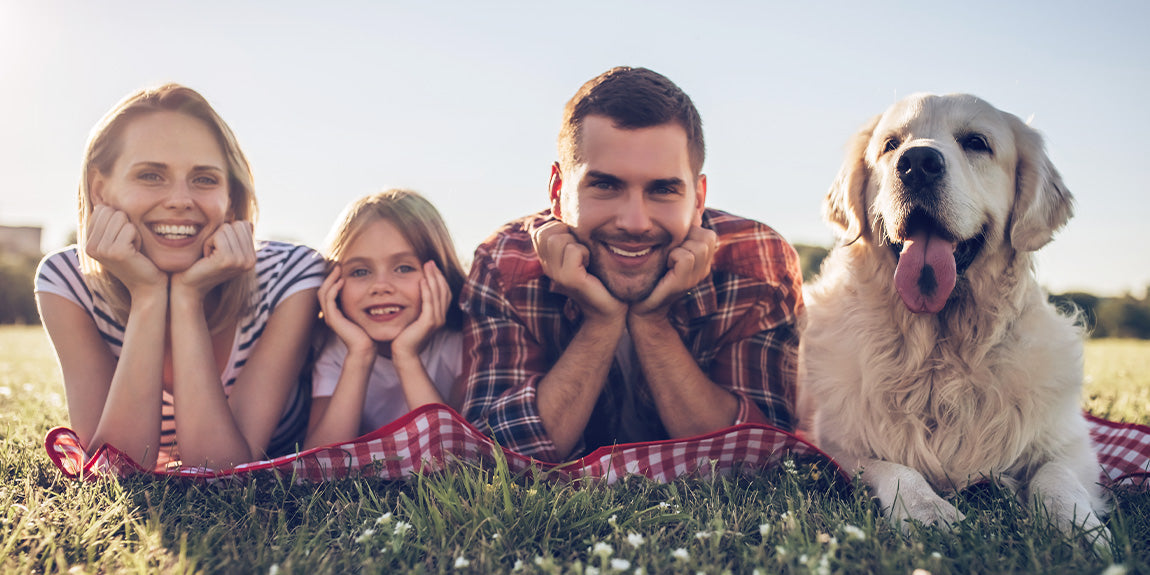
[114, 241]
[229, 252]
[352, 335]
[687, 265]
[565, 261]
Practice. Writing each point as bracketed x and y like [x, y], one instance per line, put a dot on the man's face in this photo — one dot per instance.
[631, 200]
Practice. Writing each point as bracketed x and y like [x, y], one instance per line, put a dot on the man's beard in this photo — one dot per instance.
[627, 288]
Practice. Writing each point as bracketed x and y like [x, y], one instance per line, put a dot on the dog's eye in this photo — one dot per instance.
[974, 143]
[890, 145]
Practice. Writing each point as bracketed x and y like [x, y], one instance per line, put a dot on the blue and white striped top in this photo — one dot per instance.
[282, 269]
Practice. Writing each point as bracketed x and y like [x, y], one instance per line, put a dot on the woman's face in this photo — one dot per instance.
[171, 180]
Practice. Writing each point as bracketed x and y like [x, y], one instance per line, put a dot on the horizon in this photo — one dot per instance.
[462, 102]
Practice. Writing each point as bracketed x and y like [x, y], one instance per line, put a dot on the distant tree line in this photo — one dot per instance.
[17, 302]
[1124, 316]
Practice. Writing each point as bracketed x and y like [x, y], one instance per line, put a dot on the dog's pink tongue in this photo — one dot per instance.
[926, 273]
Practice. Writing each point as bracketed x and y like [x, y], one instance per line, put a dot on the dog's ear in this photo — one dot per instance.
[845, 205]
[1042, 204]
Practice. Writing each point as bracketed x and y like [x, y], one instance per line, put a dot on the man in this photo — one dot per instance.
[628, 311]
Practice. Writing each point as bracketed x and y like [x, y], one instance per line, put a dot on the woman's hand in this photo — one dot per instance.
[114, 241]
[435, 297]
[353, 336]
[229, 252]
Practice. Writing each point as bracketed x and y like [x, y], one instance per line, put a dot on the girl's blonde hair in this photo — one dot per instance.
[422, 227]
[235, 297]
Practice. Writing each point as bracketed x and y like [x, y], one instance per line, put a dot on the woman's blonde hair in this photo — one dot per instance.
[421, 225]
[235, 297]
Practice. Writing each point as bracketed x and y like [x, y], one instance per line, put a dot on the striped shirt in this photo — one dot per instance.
[282, 269]
[739, 324]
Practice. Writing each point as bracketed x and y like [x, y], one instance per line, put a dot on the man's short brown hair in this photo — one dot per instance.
[632, 98]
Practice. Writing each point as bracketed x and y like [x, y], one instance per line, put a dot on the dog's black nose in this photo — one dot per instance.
[921, 167]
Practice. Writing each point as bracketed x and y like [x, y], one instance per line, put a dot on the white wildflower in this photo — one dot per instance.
[640, 571]
[1114, 569]
[920, 571]
[620, 564]
[383, 518]
[495, 536]
[274, 569]
[702, 535]
[518, 565]
[602, 549]
[936, 555]
[401, 528]
[782, 551]
[6, 391]
[853, 532]
[591, 570]
[367, 533]
[612, 520]
[635, 540]
[789, 465]
[680, 554]
[764, 529]
[803, 559]
[824, 565]
[663, 505]
[462, 562]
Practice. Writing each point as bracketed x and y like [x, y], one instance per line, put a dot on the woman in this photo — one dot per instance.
[167, 315]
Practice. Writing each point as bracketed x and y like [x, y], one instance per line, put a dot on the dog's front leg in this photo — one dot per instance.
[1063, 491]
[905, 494]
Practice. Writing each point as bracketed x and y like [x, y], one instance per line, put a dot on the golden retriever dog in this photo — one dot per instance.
[930, 358]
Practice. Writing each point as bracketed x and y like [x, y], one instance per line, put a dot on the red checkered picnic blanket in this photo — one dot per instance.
[428, 437]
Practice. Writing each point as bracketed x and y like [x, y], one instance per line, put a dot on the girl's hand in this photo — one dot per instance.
[435, 297]
[353, 336]
[114, 241]
[229, 252]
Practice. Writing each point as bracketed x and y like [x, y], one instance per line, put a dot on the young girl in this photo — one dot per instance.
[167, 316]
[391, 299]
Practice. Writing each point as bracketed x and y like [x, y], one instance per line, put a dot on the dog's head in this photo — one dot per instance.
[943, 182]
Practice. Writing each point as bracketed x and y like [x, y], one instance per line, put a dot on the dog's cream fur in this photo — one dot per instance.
[988, 387]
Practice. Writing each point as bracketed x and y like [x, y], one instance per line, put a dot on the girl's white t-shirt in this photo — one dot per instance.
[384, 402]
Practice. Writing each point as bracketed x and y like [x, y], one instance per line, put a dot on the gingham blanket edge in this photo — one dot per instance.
[427, 438]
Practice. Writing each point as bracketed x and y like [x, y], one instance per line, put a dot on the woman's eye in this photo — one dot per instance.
[149, 176]
[206, 181]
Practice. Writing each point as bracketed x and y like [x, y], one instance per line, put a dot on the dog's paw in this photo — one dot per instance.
[925, 508]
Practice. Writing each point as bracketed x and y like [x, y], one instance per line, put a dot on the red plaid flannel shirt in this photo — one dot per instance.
[739, 325]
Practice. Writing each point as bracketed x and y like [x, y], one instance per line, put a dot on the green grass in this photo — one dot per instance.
[471, 519]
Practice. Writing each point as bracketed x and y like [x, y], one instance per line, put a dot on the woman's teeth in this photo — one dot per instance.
[174, 231]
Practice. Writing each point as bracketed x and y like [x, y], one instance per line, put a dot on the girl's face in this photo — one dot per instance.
[381, 275]
[171, 180]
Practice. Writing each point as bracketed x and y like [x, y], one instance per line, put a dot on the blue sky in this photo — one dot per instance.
[461, 100]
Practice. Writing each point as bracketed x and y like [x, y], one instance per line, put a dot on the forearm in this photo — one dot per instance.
[130, 418]
[566, 396]
[206, 428]
[689, 402]
[340, 420]
[418, 389]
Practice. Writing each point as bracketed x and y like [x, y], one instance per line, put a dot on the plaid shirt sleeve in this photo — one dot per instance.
[503, 362]
[756, 274]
